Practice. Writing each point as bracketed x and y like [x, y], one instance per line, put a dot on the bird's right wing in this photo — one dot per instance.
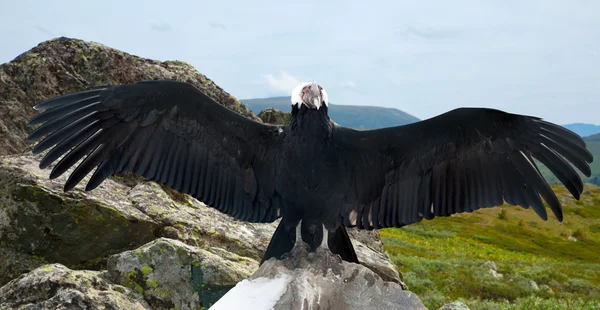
[169, 132]
[459, 161]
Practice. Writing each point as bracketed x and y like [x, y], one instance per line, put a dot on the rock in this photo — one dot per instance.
[64, 65]
[57, 287]
[534, 285]
[316, 281]
[274, 116]
[171, 274]
[495, 274]
[378, 262]
[13, 264]
[490, 265]
[546, 289]
[75, 228]
[573, 239]
[457, 305]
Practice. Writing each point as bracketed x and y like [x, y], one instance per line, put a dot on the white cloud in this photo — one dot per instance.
[284, 82]
[349, 84]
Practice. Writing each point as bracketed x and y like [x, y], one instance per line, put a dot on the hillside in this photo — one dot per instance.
[582, 129]
[360, 117]
[443, 259]
[593, 138]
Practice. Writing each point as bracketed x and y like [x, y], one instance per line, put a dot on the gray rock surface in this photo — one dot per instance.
[316, 281]
[170, 274]
[13, 264]
[457, 305]
[490, 265]
[57, 287]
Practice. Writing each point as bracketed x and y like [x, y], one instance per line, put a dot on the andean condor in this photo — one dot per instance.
[313, 173]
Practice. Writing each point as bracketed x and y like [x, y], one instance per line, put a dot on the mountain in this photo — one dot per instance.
[359, 117]
[582, 129]
[593, 138]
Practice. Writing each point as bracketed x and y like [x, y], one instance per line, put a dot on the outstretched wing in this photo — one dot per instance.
[166, 131]
[460, 161]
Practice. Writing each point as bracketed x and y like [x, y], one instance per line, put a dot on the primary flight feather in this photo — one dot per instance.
[317, 176]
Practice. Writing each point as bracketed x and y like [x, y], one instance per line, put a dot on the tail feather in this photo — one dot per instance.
[339, 243]
[283, 241]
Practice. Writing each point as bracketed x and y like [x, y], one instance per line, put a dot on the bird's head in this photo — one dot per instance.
[310, 94]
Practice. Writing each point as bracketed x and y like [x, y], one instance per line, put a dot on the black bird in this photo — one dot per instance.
[317, 176]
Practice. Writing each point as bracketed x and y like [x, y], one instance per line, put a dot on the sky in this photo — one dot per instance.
[533, 57]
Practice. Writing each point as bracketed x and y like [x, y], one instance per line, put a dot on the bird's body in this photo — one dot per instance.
[317, 176]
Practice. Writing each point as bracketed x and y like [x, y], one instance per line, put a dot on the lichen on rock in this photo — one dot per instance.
[275, 117]
[171, 274]
[58, 287]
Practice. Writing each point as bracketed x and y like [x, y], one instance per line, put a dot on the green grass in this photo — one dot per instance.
[442, 259]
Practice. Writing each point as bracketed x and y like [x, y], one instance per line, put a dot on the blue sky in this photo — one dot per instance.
[535, 57]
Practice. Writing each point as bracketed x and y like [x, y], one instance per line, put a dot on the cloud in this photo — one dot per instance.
[349, 84]
[428, 32]
[285, 82]
[217, 25]
[160, 27]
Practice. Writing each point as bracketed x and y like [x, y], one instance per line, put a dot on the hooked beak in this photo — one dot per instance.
[317, 101]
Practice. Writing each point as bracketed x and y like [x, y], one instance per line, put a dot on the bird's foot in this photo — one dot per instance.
[325, 254]
[300, 249]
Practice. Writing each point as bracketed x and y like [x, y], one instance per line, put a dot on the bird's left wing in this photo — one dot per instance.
[167, 131]
[459, 161]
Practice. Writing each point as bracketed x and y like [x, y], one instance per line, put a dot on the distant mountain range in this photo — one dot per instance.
[582, 129]
[359, 117]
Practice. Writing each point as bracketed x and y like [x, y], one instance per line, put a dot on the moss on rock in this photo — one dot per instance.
[172, 274]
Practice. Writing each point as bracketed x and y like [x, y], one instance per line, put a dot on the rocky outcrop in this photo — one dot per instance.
[316, 281]
[58, 287]
[171, 274]
[274, 116]
[65, 65]
[13, 264]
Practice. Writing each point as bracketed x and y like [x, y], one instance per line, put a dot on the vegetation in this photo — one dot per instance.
[442, 260]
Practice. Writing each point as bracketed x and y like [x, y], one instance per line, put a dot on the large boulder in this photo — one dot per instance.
[170, 274]
[14, 263]
[58, 287]
[275, 117]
